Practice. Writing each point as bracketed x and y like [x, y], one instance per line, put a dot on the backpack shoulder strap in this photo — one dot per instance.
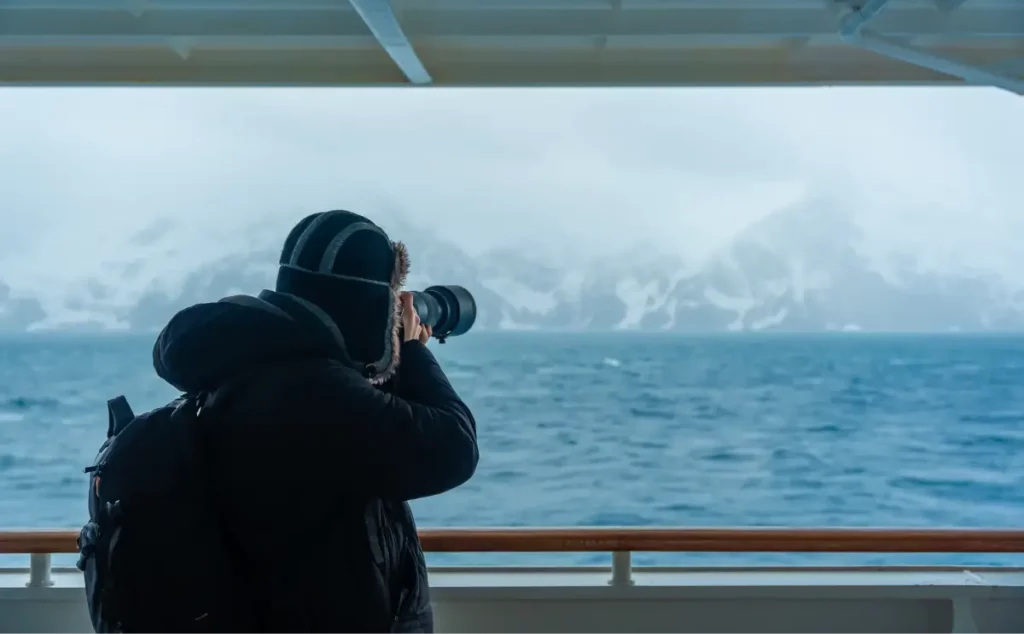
[119, 414]
[227, 391]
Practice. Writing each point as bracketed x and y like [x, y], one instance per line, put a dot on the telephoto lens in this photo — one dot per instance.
[449, 310]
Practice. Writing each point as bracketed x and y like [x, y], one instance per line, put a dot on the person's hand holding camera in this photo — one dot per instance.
[411, 325]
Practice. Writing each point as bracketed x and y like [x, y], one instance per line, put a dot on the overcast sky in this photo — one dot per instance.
[937, 171]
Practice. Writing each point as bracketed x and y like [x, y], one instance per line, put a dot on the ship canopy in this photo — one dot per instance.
[513, 42]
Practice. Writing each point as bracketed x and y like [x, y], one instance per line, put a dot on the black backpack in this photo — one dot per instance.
[154, 555]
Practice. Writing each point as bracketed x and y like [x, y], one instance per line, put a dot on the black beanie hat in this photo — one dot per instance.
[347, 266]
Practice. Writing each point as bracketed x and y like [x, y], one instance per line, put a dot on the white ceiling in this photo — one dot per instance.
[512, 42]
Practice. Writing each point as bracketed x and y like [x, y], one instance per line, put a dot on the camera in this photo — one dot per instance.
[450, 311]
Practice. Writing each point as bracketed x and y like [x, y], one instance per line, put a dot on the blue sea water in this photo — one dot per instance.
[628, 429]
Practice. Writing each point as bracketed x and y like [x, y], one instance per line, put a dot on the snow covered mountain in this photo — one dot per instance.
[18, 313]
[801, 269]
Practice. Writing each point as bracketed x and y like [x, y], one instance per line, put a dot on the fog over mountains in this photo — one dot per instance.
[799, 269]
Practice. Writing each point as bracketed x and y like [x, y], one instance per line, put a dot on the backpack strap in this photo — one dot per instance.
[222, 396]
[206, 409]
[119, 414]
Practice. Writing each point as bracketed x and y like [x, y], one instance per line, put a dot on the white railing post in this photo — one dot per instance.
[39, 571]
[622, 568]
[963, 617]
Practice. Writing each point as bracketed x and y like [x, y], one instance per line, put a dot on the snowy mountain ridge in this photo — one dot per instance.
[797, 270]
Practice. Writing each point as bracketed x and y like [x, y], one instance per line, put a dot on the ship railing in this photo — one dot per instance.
[621, 543]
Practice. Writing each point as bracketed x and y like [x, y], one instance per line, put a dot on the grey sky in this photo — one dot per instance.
[937, 171]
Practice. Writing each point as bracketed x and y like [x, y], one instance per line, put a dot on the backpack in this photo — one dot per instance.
[154, 555]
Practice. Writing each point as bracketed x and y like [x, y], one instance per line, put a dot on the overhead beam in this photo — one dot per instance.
[852, 31]
[508, 42]
[381, 21]
[949, 5]
[423, 22]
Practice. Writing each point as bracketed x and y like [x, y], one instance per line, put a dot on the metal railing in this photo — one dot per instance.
[622, 542]
[578, 540]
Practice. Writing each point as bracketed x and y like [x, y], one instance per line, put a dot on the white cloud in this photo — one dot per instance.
[936, 171]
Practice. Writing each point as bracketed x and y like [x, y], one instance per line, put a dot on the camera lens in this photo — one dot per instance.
[450, 311]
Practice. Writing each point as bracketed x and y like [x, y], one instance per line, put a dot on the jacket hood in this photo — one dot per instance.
[207, 344]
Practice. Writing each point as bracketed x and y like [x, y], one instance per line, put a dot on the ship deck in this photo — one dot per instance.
[622, 597]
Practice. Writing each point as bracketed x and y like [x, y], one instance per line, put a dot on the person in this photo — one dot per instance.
[342, 417]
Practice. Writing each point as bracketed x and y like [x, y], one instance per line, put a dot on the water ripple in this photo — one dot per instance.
[629, 430]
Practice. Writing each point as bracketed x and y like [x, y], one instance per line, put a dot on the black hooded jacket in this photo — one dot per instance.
[313, 466]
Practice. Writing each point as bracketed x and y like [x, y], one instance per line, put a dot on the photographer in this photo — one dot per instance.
[342, 416]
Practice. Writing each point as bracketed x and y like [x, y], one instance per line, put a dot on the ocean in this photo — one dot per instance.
[627, 429]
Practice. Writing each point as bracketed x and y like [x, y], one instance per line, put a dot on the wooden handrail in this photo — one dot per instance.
[780, 540]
